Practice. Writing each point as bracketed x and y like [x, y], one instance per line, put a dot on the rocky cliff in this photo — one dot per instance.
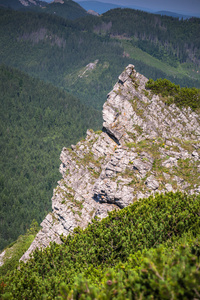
[145, 147]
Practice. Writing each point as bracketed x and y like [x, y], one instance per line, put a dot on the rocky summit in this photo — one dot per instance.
[145, 147]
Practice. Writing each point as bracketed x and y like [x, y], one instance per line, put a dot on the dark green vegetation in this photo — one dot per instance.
[169, 40]
[57, 50]
[68, 10]
[36, 121]
[16, 249]
[182, 97]
[149, 250]
[156, 35]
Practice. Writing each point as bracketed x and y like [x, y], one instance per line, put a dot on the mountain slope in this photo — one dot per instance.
[145, 147]
[99, 7]
[58, 50]
[102, 7]
[22, 4]
[52, 49]
[148, 30]
[36, 120]
[67, 9]
[151, 247]
[172, 14]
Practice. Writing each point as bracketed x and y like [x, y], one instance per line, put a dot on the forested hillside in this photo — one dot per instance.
[66, 9]
[166, 38]
[36, 120]
[149, 250]
[53, 49]
[58, 50]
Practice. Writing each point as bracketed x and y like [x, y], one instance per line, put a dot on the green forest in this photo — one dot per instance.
[36, 121]
[149, 250]
[57, 49]
[167, 38]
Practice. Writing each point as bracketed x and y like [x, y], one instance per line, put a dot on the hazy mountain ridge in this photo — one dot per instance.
[172, 14]
[21, 4]
[66, 9]
[102, 7]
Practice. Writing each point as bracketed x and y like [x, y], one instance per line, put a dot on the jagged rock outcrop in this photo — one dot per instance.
[144, 147]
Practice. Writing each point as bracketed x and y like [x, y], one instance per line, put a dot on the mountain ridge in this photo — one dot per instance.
[64, 8]
[145, 147]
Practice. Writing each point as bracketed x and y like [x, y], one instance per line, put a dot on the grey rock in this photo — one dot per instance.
[195, 155]
[2, 255]
[167, 176]
[152, 183]
[169, 163]
[106, 171]
[169, 187]
[142, 166]
[197, 190]
[178, 180]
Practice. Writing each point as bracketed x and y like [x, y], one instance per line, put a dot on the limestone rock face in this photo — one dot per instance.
[144, 147]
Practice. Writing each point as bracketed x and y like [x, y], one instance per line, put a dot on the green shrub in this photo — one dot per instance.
[162, 273]
[146, 224]
[180, 96]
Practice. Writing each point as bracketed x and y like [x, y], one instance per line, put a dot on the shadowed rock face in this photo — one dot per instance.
[145, 147]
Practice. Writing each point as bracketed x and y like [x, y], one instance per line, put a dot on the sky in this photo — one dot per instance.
[178, 6]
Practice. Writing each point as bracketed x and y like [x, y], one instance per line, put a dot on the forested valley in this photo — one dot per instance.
[57, 50]
[37, 120]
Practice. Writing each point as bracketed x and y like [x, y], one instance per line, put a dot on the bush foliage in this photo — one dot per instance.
[149, 250]
[180, 96]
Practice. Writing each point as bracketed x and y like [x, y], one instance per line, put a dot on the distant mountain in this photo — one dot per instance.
[173, 14]
[67, 9]
[22, 4]
[99, 7]
[102, 7]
